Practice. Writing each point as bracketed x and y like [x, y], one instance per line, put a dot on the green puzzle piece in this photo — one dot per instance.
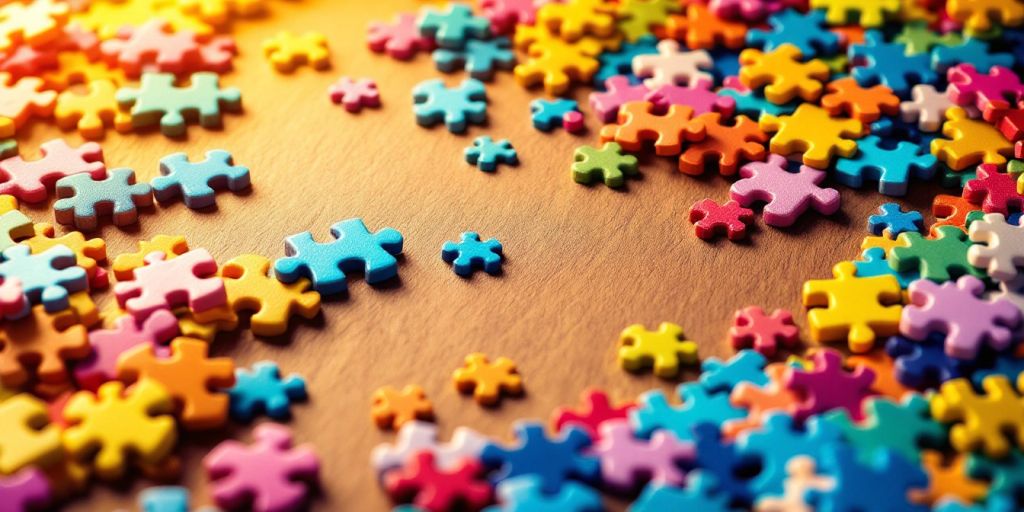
[902, 427]
[608, 163]
[14, 224]
[940, 259]
[158, 100]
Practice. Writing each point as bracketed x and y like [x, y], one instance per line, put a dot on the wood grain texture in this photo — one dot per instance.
[582, 262]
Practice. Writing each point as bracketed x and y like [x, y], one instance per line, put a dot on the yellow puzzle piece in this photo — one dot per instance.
[286, 51]
[783, 74]
[487, 381]
[125, 264]
[92, 111]
[107, 17]
[219, 319]
[856, 309]
[575, 18]
[813, 131]
[974, 142]
[75, 68]
[249, 286]
[638, 18]
[884, 242]
[34, 23]
[989, 422]
[218, 12]
[978, 15]
[663, 349]
[869, 13]
[554, 62]
[116, 423]
[26, 435]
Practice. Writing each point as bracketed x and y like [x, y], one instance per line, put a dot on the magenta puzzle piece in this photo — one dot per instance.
[596, 411]
[996, 192]
[992, 93]
[400, 40]
[753, 328]
[788, 195]
[700, 98]
[354, 94]
[618, 92]
[165, 284]
[958, 311]
[828, 386]
[31, 180]
[128, 333]
[626, 460]
[27, 489]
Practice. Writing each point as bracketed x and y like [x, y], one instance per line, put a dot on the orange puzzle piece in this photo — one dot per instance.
[125, 264]
[188, 375]
[701, 29]
[724, 143]
[783, 74]
[951, 211]
[865, 104]
[90, 253]
[980, 15]
[638, 122]
[23, 99]
[393, 408]
[760, 401]
[92, 111]
[973, 142]
[42, 341]
[885, 383]
[77, 68]
[487, 381]
[947, 480]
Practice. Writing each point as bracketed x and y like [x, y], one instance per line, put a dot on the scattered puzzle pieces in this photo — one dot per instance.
[197, 182]
[109, 344]
[889, 64]
[21, 100]
[48, 277]
[547, 114]
[93, 111]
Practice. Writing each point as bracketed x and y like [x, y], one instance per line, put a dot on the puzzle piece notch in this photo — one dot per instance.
[993, 93]
[866, 104]
[23, 99]
[971, 142]
[640, 121]
[996, 192]
[653, 411]
[782, 74]
[813, 132]
[805, 31]
[452, 27]
[262, 389]
[479, 58]
[88, 253]
[888, 63]
[154, 46]
[93, 111]
[857, 309]
[724, 143]
[892, 165]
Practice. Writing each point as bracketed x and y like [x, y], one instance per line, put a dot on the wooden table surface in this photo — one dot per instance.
[581, 263]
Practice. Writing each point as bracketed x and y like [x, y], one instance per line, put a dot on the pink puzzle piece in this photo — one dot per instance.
[109, 344]
[166, 284]
[991, 93]
[27, 60]
[155, 47]
[31, 180]
[700, 98]
[354, 94]
[828, 386]
[749, 10]
[618, 92]
[506, 14]
[400, 40]
[419, 436]
[23, 99]
[572, 121]
[788, 195]
[13, 303]
[271, 473]
[597, 410]
[959, 311]
[753, 328]
[25, 490]
[996, 192]
[626, 460]
[710, 218]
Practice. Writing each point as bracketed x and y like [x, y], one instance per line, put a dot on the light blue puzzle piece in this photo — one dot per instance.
[353, 249]
[780, 439]
[486, 153]
[993, 503]
[654, 411]
[82, 199]
[893, 219]
[752, 104]
[873, 263]
[470, 253]
[197, 182]
[888, 64]
[888, 476]
[47, 278]
[263, 389]
[700, 493]
[525, 494]
[451, 28]
[972, 51]
[547, 115]
[456, 107]
[805, 31]
[746, 366]
[891, 167]
[479, 58]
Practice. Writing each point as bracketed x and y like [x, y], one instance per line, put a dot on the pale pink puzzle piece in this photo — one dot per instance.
[505, 14]
[673, 66]
[419, 436]
[927, 108]
[32, 180]
[625, 459]
[13, 303]
[109, 344]
[400, 40]
[270, 473]
[788, 195]
[803, 477]
[998, 247]
[164, 284]
[618, 92]
[354, 94]
[155, 47]
[700, 98]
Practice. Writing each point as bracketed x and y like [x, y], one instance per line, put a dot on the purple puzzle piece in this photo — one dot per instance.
[958, 311]
[788, 194]
[618, 92]
[25, 490]
[701, 99]
[109, 344]
[750, 10]
[828, 386]
[625, 459]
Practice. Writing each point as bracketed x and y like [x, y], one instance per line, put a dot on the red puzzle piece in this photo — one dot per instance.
[597, 409]
[995, 191]
[438, 490]
[710, 218]
[753, 328]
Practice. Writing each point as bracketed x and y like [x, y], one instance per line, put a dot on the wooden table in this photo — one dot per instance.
[582, 262]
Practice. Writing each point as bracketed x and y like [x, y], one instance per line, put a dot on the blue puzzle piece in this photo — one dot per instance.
[903, 427]
[805, 31]
[924, 365]
[700, 493]
[780, 439]
[486, 153]
[993, 503]
[47, 278]
[1004, 363]
[972, 51]
[479, 58]
[892, 218]
[455, 107]
[353, 249]
[524, 494]
[890, 166]
[470, 253]
[879, 485]
[547, 114]
[654, 412]
[888, 64]
[873, 263]
[1013, 41]
[196, 182]
[732, 469]
[263, 389]
[1006, 475]
[453, 27]
[621, 62]
[752, 104]
[553, 461]
[724, 62]
[167, 499]
[83, 199]
[746, 366]
[898, 129]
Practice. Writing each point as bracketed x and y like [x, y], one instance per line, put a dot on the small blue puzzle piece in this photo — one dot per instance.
[525, 494]
[972, 51]
[470, 253]
[888, 64]
[553, 461]
[746, 366]
[353, 249]
[904, 427]
[873, 263]
[892, 218]
[655, 413]
[479, 58]
[47, 278]
[924, 365]
[83, 198]
[752, 104]
[621, 62]
[547, 114]
[881, 484]
[724, 62]
[164, 499]
[700, 494]
[805, 31]
[453, 27]
[780, 439]
[993, 503]
[733, 470]
[263, 389]
[197, 182]
[1006, 475]
[456, 107]
[891, 166]
[486, 153]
